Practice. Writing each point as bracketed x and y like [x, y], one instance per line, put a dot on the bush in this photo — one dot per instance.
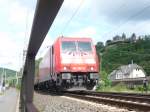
[121, 87]
[139, 88]
[104, 81]
[148, 87]
[18, 86]
[104, 77]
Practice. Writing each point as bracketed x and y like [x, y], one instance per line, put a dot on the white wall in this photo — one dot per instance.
[137, 73]
[119, 75]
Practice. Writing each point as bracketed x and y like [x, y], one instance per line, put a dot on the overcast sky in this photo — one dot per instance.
[98, 19]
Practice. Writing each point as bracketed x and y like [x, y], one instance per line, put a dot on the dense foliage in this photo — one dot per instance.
[10, 76]
[117, 53]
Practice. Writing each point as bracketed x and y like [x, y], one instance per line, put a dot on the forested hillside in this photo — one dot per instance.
[9, 73]
[123, 52]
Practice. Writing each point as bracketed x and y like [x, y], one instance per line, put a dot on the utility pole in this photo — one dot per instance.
[4, 83]
[23, 59]
[16, 78]
[5, 77]
[2, 77]
[24, 56]
[1, 82]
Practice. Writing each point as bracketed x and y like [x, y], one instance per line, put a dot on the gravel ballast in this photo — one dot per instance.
[54, 103]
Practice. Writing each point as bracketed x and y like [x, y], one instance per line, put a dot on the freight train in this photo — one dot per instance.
[69, 63]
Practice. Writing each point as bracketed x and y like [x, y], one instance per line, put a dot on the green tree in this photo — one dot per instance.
[108, 42]
[99, 46]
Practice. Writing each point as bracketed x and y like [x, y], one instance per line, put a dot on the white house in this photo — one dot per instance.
[127, 71]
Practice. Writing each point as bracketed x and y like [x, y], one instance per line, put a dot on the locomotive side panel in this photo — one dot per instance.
[55, 64]
[44, 68]
[57, 56]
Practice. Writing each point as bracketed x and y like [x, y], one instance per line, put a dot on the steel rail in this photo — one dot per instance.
[125, 96]
[130, 102]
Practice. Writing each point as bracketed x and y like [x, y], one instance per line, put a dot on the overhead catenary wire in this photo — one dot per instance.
[127, 20]
[73, 15]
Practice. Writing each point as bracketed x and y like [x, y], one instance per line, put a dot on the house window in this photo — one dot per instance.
[116, 76]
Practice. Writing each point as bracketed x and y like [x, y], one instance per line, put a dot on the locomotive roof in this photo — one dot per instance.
[75, 38]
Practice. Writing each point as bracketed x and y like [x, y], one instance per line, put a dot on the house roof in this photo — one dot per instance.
[126, 69]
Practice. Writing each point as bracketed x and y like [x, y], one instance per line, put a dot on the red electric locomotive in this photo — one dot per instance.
[69, 62]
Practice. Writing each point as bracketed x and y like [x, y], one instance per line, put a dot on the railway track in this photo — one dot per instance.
[138, 102]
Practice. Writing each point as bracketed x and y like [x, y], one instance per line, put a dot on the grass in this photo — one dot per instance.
[118, 88]
[121, 87]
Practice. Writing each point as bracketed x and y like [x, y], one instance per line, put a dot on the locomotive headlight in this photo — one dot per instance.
[92, 68]
[65, 68]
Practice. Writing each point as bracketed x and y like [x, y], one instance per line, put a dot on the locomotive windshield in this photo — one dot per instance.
[84, 46]
[68, 46]
[71, 46]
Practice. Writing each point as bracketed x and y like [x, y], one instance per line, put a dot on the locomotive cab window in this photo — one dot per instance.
[84, 46]
[68, 46]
